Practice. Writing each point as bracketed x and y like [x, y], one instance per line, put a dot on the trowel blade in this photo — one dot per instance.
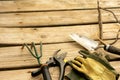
[87, 43]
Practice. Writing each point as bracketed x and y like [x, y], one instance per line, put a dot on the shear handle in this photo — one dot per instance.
[45, 72]
[62, 71]
[36, 73]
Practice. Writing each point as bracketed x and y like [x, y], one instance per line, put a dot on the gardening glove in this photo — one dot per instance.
[93, 67]
[75, 75]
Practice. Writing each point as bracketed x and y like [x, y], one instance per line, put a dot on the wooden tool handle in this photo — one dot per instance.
[112, 49]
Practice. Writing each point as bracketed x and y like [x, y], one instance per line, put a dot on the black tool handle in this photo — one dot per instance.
[112, 49]
[44, 70]
[37, 72]
[46, 73]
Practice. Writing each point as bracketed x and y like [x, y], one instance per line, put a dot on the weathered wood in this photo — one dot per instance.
[24, 75]
[40, 5]
[55, 18]
[15, 57]
[18, 75]
[28, 13]
[54, 34]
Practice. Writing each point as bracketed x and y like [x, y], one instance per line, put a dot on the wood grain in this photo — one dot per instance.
[24, 75]
[41, 5]
[54, 34]
[41, 19]
[50, 21]
[15, 57]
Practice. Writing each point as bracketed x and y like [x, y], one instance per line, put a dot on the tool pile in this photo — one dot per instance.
[55, 60]
[90, 63]
[89, 66]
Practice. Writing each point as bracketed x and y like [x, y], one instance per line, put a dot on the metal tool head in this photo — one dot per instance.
[87, 43]
[60, 61]
[56, 52]
[61, 56]
[51, 61]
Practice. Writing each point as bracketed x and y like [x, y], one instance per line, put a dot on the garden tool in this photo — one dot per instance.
[94, 67]
[91, 45]
[56, 60]
[43, 67]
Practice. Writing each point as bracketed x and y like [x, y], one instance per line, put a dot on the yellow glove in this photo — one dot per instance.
[93, 67]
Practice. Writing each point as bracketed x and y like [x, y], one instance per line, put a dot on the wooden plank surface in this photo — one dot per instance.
[18, 58]
[54, 34]
[55, 18]
[24, 75]
[11, 57]
[41, 5]
[50, 21]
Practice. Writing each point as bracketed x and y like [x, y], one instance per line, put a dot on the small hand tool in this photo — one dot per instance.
[91, 45]
[43, 67]
[56, 60]
[61, 62]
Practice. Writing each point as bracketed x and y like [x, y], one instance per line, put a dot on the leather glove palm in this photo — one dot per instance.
[93, 67]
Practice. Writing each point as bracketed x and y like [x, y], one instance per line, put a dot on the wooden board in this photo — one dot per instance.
[50, 21]
[25, 75]
[18, 58]
[54, 34]
[32, 19]
[41, 5]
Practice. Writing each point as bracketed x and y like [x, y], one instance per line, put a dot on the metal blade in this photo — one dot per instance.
[87, 43]
[62, 56]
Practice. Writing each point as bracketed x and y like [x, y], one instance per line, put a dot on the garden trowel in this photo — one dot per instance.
[92, 45]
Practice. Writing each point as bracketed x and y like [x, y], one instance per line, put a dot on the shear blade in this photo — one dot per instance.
[62, 56]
